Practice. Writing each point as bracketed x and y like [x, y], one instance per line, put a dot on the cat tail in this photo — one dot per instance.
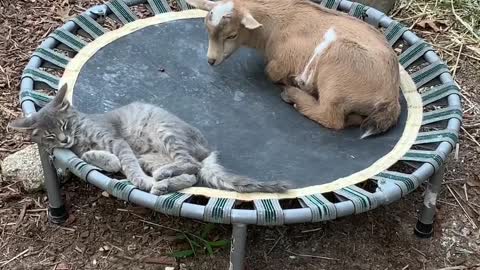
[214, 175]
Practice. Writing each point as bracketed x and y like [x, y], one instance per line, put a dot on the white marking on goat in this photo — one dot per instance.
[328, 38]
[367, 134]
[219, 11]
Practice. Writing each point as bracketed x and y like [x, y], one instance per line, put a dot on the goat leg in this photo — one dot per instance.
[325, 112]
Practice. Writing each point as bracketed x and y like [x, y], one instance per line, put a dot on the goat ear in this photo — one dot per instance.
[249, 22]
[202, 4]
[25, 123]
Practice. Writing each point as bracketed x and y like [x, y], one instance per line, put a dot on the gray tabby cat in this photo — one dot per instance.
[137, 139]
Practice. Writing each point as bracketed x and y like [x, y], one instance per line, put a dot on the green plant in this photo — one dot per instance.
[199, 242]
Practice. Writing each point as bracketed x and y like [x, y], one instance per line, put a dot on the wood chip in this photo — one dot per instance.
[162, 260]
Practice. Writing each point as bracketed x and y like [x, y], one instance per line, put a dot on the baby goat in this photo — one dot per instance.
[344, 72]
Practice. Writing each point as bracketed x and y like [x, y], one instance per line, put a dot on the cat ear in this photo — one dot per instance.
[24, 123]
[60, 99]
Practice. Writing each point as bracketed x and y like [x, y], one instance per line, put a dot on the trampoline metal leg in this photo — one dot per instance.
[237, 251]
[57, 213]
[424, 226]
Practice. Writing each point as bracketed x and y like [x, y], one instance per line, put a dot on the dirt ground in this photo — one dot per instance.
[105, 233]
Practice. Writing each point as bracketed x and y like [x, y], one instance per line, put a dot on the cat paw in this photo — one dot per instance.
[144, 183]
[113, 167]
[104, 160]
[159, 188]
[164, 172]
[173, 170]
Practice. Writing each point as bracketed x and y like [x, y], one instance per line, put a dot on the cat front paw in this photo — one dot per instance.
[167, 171]
[104, 160]
[113, 167]
[159, 188]
[144, 183]
[163, 173]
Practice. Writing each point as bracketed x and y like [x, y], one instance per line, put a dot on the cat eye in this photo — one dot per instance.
[232, 36]
[50, 136]
[64, 125]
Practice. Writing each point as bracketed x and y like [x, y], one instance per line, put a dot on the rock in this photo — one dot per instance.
[85, 234]
[25, 166]
[384, 6]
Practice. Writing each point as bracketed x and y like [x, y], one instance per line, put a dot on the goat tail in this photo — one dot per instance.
[214, 175]
[383, 116]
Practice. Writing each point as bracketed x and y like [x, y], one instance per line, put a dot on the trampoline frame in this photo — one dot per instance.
[390, 186]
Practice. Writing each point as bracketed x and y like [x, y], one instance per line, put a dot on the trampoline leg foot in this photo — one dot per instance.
[57, 213]
[237, 251]
[424, 226]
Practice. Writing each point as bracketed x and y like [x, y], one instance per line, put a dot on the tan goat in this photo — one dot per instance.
[336, 70]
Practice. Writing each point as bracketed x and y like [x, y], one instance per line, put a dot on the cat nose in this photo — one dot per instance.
[62, 138]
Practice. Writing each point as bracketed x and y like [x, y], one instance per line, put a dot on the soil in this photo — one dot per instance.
[105, 233]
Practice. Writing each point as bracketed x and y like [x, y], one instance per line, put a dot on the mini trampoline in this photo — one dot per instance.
[161, 59]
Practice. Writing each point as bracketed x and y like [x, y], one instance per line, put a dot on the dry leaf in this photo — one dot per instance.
[435, 25]
[474, 181]
[63, 13]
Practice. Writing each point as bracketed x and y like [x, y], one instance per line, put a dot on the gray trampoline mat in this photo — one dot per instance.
[234, 104]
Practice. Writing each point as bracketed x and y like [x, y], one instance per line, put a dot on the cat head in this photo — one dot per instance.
[49, 126]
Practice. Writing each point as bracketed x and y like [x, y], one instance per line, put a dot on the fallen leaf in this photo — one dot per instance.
[63, 13]
[435, 25]
[474, 181]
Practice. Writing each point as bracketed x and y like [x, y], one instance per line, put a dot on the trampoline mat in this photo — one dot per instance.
[234, 104]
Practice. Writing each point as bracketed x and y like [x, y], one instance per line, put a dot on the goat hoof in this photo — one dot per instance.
[300, 83]
[285, 97]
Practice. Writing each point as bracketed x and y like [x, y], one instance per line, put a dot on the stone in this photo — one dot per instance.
[25, 166]
[384, 6]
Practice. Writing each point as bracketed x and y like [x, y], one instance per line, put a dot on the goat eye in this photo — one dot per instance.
[232, 36]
